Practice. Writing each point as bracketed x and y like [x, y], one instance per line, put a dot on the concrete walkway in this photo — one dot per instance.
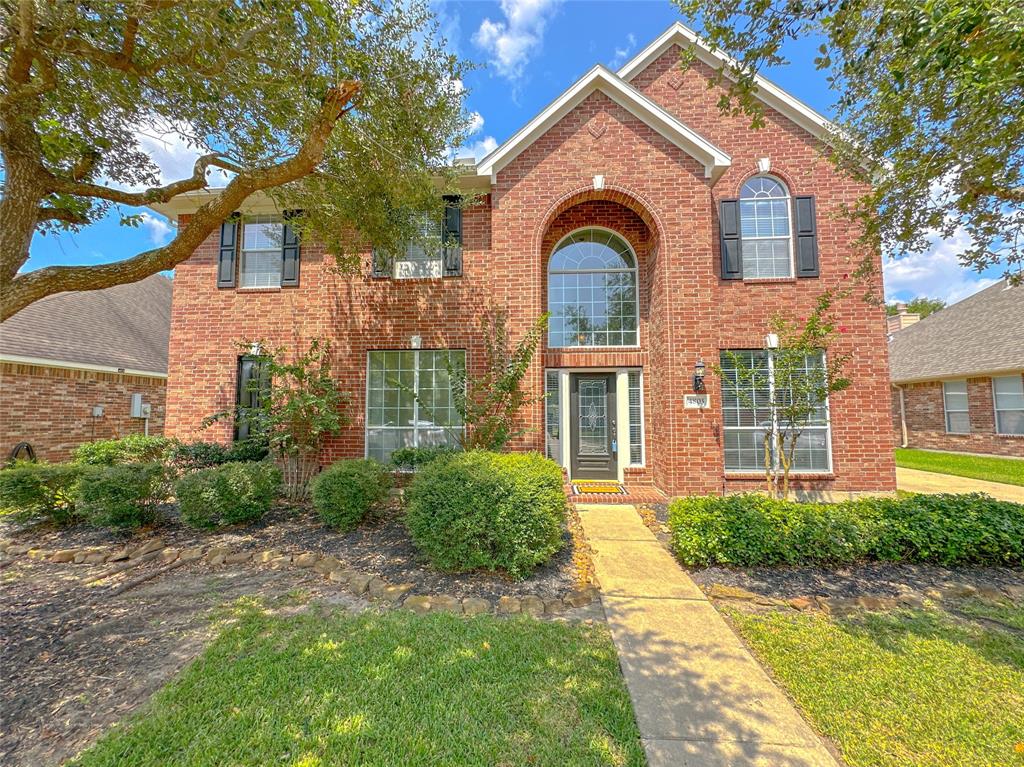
[916, 481]
[701, 700]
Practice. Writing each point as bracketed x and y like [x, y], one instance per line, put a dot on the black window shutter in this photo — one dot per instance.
[290, 251]
[729, 226]
[227, 253]
[451, 232]
[806, 237]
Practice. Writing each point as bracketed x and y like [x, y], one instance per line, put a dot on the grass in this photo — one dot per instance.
[393, 689]
[991, 468]
[905, 688]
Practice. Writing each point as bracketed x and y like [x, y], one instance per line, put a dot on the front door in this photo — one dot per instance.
[592, 426]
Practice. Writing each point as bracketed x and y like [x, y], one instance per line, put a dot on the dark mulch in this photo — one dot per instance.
[380, 547]
[862, 579]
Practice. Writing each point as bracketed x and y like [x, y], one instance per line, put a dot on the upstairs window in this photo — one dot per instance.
[765, 229]
[1008, 396]
[954, 398]
[436, 253]
[262, 238]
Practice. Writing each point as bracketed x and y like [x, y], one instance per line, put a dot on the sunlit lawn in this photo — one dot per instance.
[988, 467]
[908, 688]
[393, 689]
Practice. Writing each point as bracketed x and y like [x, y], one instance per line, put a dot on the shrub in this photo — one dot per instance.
[412, 458]
[228, 494]
[124, 495]
[748, 530]
[185, 457]
[487, 510]
[347, 491]
[40, 490]
[134, 448]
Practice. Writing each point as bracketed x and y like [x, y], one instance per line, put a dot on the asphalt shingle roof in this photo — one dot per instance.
[979, 335]
[126, 326]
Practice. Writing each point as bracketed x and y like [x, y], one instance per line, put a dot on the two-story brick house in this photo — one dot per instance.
[658, 233]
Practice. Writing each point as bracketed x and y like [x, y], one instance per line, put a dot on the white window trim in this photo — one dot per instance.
[244, 251]
[792, 229]
[643, 418]
[636, 285]
[946, 410]
[996, 409]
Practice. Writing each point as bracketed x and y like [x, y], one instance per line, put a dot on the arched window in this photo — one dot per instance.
[592, 294]
[765, 229]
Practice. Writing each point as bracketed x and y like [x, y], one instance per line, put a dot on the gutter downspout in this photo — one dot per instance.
[903, 417]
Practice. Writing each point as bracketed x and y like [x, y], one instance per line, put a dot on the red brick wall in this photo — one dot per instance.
[51, 408]
[926, 420]
[657, 197]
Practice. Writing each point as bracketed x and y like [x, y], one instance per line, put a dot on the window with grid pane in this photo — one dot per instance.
[1008, 395]
[748, 415]
[765, 233]
[409, 400]
[592, 291]
[262, 238]
[954, 398]
[636, 419]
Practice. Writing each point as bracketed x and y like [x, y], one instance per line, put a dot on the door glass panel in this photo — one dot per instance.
[593, 415]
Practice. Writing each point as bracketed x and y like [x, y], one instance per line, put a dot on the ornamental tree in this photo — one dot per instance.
[345, 109]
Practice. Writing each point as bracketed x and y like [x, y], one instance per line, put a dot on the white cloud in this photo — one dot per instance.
[511, 42]
[935, 273]
[476, 123]
[621, 54]
[160, 230]
[479, 149]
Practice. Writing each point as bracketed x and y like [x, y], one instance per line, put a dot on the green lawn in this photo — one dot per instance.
[391, 689]
[992, 468]
[907, 688]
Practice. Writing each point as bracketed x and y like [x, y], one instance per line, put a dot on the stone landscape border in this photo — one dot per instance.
[355, 582]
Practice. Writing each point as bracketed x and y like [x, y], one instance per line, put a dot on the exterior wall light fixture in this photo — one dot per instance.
[698, 375]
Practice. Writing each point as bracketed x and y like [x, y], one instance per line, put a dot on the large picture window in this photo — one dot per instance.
[592, 291]
[748, 414]
[954, 399]
[409, 400]
[1008, 396]
[765, 229]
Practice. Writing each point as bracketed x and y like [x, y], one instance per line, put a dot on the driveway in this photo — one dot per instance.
[916, 481]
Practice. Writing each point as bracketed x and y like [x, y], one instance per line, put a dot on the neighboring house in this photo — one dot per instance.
[656, 231]
[71, 363]
[958, 376]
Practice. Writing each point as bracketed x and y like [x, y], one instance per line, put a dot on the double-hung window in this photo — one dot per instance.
[262, 238]
[954, 402]
[437, 252]
[765, 229]
[753, 408]
[1008, 397]
[409, 400]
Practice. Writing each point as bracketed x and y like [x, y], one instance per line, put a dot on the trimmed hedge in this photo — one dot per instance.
[228, 494]
[748, 530]
[122, 495]
[496, 511]
[412, 458]
[40, 491]
[346, 492]
[135, 448]
[183, 457]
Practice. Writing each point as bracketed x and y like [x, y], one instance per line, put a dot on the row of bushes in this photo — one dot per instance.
[750, 530]
[179, 457]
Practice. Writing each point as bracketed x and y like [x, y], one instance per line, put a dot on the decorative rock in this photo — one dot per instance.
[876, 603]
[39, 553]
[842, 606]
[579, 598]
[17, 549]
[191, 554]
[532, 605]
[910, 599]
[149, 546]
[720, 591]
[239, 557]
[959, 591]
[393, 593]
[306, 559]
[95, 558]
[509, 605]
[375, 588]
[340, 576]
[445, 603]
[64, 555]
[327, 564]
[554, 607]
[769, 602]
[475, 606]
[119, 555]
[268, 556]
[933, 594]
[359, 582]
[217, 554]
[418, 604]
[282, 561]
[801, 603]
[168, 555]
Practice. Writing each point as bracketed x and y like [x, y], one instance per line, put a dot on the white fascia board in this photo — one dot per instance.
[602, 79]
[16, 359]
[770, 93]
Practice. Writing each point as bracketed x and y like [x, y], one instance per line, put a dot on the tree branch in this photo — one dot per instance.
[67, 216]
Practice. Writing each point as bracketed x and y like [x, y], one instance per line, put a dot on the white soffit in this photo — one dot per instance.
[602, 79]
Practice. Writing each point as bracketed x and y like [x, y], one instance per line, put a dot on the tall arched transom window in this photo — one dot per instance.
[592, 293]
[765, 229]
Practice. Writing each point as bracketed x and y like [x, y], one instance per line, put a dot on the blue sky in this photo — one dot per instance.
[533, 50]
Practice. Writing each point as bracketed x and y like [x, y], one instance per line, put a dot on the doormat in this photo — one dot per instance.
[591, 487]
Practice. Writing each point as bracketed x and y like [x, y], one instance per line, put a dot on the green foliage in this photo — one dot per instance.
[751, 530]
[184, 457]
[134, 448]
[40, 491]
[412, 458]
[122, 495]
[346, 492]
[496, 511]
[228, 494]
[929, 104]
[921, 306]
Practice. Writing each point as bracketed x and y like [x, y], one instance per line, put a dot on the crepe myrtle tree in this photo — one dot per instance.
[788, 390]
[929, 107]
[344, 109]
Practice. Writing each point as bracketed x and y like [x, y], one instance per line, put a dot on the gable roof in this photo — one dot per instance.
[603, 80]
[125, 327]
[767, 91]
[977, 336]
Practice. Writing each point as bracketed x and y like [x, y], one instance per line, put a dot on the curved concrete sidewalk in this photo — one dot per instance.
[917, 481]
[700, 698]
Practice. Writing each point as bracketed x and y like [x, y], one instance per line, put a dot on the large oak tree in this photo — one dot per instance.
[345, 109]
